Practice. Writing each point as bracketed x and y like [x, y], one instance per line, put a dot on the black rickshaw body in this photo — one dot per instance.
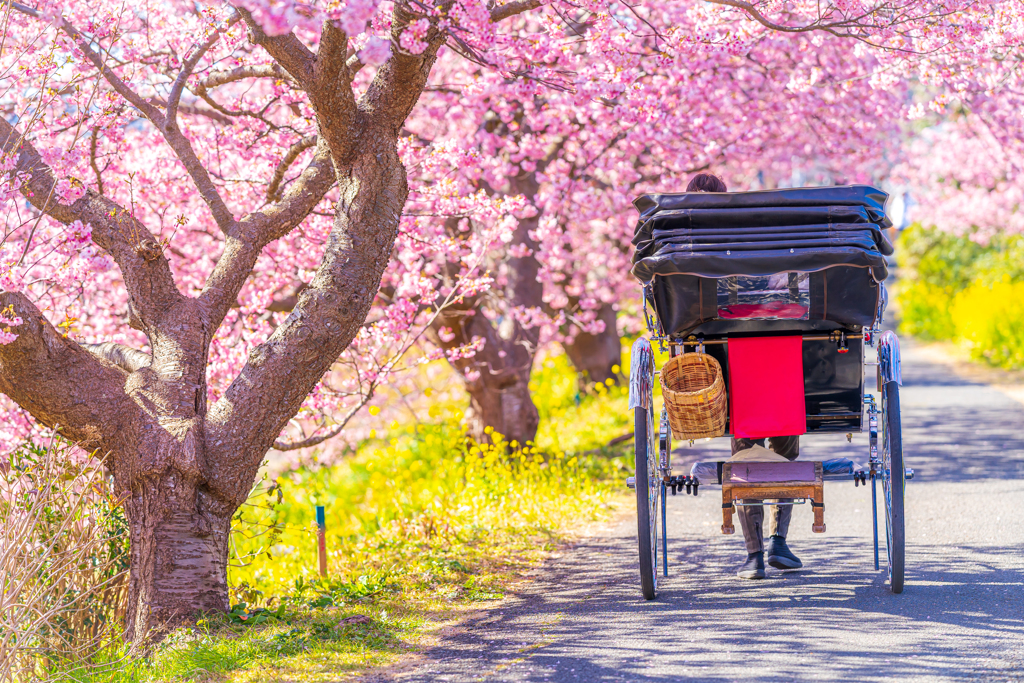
[695, 252]
[770, 266]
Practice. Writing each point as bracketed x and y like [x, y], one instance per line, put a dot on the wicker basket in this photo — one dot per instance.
[694, 394]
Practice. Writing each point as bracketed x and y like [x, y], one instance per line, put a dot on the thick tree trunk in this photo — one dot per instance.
[499, 397]
[503, 403]
[498, 376]
[596, 355]
[179, 554]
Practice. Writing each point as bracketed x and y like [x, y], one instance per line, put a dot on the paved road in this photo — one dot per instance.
[961, 616]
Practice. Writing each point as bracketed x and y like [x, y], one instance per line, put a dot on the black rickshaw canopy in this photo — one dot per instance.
[707, 256]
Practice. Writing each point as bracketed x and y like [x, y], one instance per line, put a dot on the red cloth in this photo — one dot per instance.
[773, 309]
[766, 387]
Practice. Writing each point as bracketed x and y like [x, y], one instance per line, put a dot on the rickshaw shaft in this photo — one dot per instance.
[725, 340]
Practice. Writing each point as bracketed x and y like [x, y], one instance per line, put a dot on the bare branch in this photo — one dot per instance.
[93, 144]
[218, 78]
[191, 110]
[125, 357]
[62, 385]
[511, 8]
[273, 189]
[354, 66]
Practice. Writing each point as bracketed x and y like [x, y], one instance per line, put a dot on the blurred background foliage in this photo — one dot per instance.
[63, 563]
[954, 288]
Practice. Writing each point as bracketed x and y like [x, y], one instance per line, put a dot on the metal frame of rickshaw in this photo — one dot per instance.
[885, 462]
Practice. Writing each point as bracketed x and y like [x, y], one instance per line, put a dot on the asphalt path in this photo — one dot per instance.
[960, 617]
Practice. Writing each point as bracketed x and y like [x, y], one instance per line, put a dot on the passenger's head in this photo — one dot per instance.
[706, 182]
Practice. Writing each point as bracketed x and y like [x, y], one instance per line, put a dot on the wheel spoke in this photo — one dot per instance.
[647, 484]
[892, 474]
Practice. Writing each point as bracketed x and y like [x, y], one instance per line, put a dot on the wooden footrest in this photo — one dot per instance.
[772, 481]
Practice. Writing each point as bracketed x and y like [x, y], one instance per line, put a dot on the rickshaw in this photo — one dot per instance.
[782, 290]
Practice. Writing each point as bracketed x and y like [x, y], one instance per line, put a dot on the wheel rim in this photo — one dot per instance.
[653, 485]
[893, 489]
[646, 500]
[887, 482]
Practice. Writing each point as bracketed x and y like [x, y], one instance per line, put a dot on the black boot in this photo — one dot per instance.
[780, 556]
[753, 568]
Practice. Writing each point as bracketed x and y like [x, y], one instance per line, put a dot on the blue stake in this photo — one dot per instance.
[321, 537]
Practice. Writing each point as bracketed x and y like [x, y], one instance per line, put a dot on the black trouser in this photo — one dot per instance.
[752, 516]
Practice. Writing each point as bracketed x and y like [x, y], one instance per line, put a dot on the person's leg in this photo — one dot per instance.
[779, 554]
[789, 448]
[752, 524]
[752, 516]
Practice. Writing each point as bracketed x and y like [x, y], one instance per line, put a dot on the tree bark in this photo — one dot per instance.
[497, 378]
[596, 355]
[179, 554]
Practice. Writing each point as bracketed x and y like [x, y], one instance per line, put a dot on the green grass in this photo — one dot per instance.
[422, 525]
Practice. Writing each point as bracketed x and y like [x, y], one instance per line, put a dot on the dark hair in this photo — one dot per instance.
[706, 182]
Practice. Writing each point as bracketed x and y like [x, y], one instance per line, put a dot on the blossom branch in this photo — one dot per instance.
[320, 438]
[400, 80]
[136, 251]
[242, 248]
[189, 65]
[165, 124]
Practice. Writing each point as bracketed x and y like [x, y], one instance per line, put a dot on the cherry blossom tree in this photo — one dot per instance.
[201, 202]
[758, 107]
[148, 159]
[962, 151]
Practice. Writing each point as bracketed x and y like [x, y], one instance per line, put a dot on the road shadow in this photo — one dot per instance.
[961, 616]
[710, 612]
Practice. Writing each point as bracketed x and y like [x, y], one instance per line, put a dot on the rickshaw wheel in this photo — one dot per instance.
[647, 489]
[894, 483]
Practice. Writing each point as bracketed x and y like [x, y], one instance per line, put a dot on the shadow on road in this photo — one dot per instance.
[961, 616]
[837, 618]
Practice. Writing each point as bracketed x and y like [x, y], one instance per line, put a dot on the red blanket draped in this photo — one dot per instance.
[766, 387]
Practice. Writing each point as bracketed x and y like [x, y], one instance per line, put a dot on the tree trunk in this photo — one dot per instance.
[504, 404]
[179, 554]
[498, 376]
[595, 355]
